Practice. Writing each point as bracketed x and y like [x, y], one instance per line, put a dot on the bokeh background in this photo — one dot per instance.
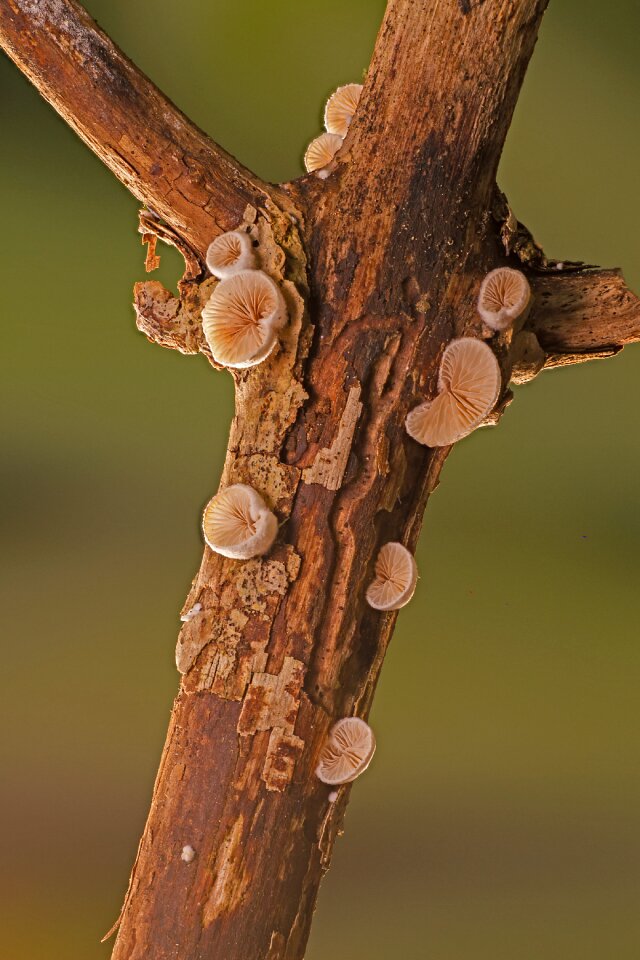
[499, 820]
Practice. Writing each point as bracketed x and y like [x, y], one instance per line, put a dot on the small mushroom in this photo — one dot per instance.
[347, 752]
[229, 253]
[238, 524]
[191, 613]
[527, 357]
[320, 153]
[469, 384]
[241, 319]
[395, 580]
[504, 296]
[341, 107]
[188, 854]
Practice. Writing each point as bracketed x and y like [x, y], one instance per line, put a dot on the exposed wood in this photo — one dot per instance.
[584, 312]
[380, 268]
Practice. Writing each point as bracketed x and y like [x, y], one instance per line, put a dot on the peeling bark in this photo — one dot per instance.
[380, 266]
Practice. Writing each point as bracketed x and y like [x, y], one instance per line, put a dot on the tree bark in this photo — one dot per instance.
[380, 265]
[157, 153]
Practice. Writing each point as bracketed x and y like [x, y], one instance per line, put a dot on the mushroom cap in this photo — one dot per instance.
[238, 524]
[229, 253]
[241, 318]
[527, 357]
[469, 382]
[340, 108]
[347, 752]
[504, 296]
[321, 151]
[395, 580]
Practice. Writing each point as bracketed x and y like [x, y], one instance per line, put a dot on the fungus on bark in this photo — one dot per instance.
[396, 576]
[319, 154]
[340, 108]
[504, 296]
[188, 854]
[229, 253]
[347, 751]
[238, 524]
[469, 384]
[242, 317]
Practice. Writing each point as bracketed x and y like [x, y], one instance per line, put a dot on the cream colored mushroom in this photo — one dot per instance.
[242, 317]
[396, 576]
[320, 153]
[469, 384]
[527, 357]
[238, 524]
[340, 108]
[504, 296]
[229, 253]
[347, 752]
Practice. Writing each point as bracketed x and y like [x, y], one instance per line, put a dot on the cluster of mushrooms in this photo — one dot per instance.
[338, 113]
[241, 321]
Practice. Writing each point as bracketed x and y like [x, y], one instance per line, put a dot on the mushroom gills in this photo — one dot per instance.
[320, 153]
[242, 317]
[340, 108]
[230, 253]
[504, 296]
[396, 576]
[238, 524]
[469, 383]
[347, 752]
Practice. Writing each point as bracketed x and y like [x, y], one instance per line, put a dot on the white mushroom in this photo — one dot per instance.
[237, 523]
[341, 107]
[395, 580]
[242, 317]
[504, 296]
[191, 612]
[229, 253]
[188, 854]
[320, 153]
[347, 752]
[469, 385]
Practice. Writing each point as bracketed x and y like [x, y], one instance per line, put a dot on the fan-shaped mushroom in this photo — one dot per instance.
[347, 752]
[320, 153]
[241, 318]
[395, 580]
[229, 253]
[340, 108]
[237, 523]
[504, 296]
[469, 384]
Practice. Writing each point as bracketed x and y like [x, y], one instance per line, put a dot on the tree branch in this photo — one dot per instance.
[580, 315]
[579, 312]
[381, 273]
[153, 149]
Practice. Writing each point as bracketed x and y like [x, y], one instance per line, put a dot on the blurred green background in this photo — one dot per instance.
[499, 820]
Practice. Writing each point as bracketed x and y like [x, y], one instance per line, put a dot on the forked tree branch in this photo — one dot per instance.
[153, 149]
[379, 274]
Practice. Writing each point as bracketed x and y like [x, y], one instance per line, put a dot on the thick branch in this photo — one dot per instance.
[157, 153]
[395, 242]
[384, 272]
